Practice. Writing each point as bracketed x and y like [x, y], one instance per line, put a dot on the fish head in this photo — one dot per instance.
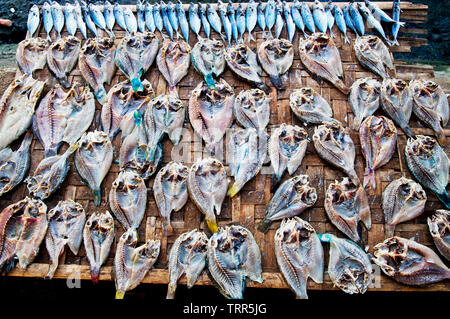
[439, 225]
[410, 193]
[365, 11]
[290, 138]
[129, 237]
[294, 231]
[195, 242]
[303, 191]
[422, 146]
[174, 178]
[332, 132]
[211, 51]
[102, 223]
[166, 110]
[369, 89]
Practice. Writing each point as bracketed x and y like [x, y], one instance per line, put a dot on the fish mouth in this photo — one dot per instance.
[421, 146]
[391, 255]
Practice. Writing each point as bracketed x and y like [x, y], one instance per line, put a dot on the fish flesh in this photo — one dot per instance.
[347, 205]
[79, 17]
[135, 54]
[17, 107]
[170, 191]
[62, 56]
[97, 65]
[357, 19]
[31, 55]
[140, 15]
[287, 147]
[119, 15]
[299, 254]
[244, 63]
[149, 19]
[429, 165]
[372, 21]
[49, 174]
[378, 137]
[340, 21]
[409, 262]
[128, 199]
[205, 22]
[186, 257]
[214, 20]
[233, 256]
[194, 19]
[208, 59]
[98, 236]
[222, 7]
[71, 21]
[349, 266]
[290, 25]
[307, 17]
[430, 104]
[261, 18]
[246, 153]
[63, 117]
[173, 19]
[439, 225]
[270, 14]
[276, 57]
[252, 109]
[310, 107]
[211, 112]
[22, 228]
[87, 18]
[93, 159]
[110, 19]
[173, 62]
[132, 263]
[207, 187]
[334, 144]
[47, 19]
[396, 101]
[184, 25]
[396, 17]
[279, 22]
[374, 55]
[251, 18]
[297, 17]
[240, 21]
[402, 200]
[33, 20]
[330, 17]
[166, 21]
[320, 16]
[364, 99]
[320, 56]
[231, 13]
[58, 17]
[290, 199]
[65, 227]
[14, 165]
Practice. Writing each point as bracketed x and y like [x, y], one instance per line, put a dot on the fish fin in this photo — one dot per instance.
[210, 81]
[408, 131]
[95, 275]
[264, 226]
[171, 291]
[173, 91]
[332, 34]
[276, 80]
[354, 177]
[250, 37]
[444, 198]
[137, 85]
[389, 230]
[101, 95]
[168, 229]
[369, 177]
[305, 35]
[234, 190]
[51, 151]
[442, 139]
[120, 294]
[396, 42]
[51, 271]
[346, 39]
[97, 193]
[212, 225]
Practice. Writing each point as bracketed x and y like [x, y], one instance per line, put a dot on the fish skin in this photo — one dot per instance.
[99, 19]
[346, 206]
[172, 13]
[297, 17]
[88, 20]
[430, 104]
[14, 165]
[110, 19]
[97, 65]
[149, 20]
[214, 20]
[262, 18]
[62, 56]
[71, 22]
[31, 55]
[231, 13]
[47, 19]
[279, 22]
[58, 18]
[299, 254]
[92, 159]
[409, 262]
[240, 22]
[402, 200]
[291, 198]
[194, 19]
[251, 18]
[157, 17]
[429, 165]
[334, 144]
[396, 17]
[320, 17]
[208, 58]
[380, 14]
[140, 15]
[364, 99]
[330, 17]
[348, 20]
[340, 21]
[270, 16]
[166, 21]
[170, 192]
[182, 20]
[252, 110]
[225, 21]
[130, 21]
[186, 257]
[79, 17]
[310, 107]
[438, 224]
[207, 187]
[357, 19]
[132, 263]
[372, 22]
[373, 54]
[65, 227]
[205, 22]
[33, 20]
[307, 17]
[17, 107]
[290, 25]
[98, 236]
[120, 16]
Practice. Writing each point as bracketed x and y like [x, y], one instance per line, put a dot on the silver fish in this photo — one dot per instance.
[340, 21]
[166, 20]
[172, 13]
[299, 254]
[47, 19]
[140, 15]
[252, 109]
[71, 21]
[373, 54]
[262, 18]
[372, 22]
[320, 17]
[194, 19]
[357, 19]
[270, 15]
[279, 22]
[33, 20]
[157, 17]
[310, 107]
[208, 59]
[240, 22]
[439, 224]
[130, 21]
[380, 14]
[364, 99]
[65, 227]
[348, 20]
[31, 55]
[119, 15]
[396, 17]
[79, 17]
[58, 17]
[297, 17]
[110, 19]
[329, 8]
[184, 25]
[87, 18]
[307, 17]
[290, 25]
[251, 18]
[99, 19]
[225, 21]
[231, 13]
[290, 199]
[205, 22]
[149, 20]
[214, 19]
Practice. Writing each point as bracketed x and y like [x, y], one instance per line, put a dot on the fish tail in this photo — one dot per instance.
[120, 294]
[173, 91]
[95, 275]
[396, 42]
[171, 291]
[332, 34]
[97, 197]
[51, 151]
[354, 177]
[210, 81]
[101, 95]
[444, 198]
[49, 38]
[51, 271]
[305, 35]
[168, 229]
[369, 177]
[389, 230]
[276, 80]
[408, 130]
[250, 37]
[234, 190]
[137, 85]
[346, 39]
[264, 226]
[212, 225]
[442, 139]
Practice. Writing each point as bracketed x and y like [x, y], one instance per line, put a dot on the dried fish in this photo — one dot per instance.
[208, 58]
[364, 99]
[374, 55]
[439, 225]
[62, 56]
[31, 55]
[252, 109]
[310, 107]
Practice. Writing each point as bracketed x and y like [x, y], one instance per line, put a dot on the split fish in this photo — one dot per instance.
[31, 55]
[252, 109]
[62, 56]
[310, 107]
[373, 54]
[208, 59]
[439, 224]
[33, 20]
[364, 99]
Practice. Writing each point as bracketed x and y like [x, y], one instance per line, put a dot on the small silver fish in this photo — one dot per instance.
[307, 17]
[205, 22]
[33, 20]
[166, 20]
[157, 17]
[47, 19]
[270, 16]
[172, 13]
[71, 22]
[297, 17]
[262, 18]
[329, 8]
[194, 19]
[231, 13]
[396, 17]
[149, 19]
[58, 18]
[87, 18]
[214, 19]
[290, 25]
[439, 224]
[372, 22]
[320, 17]
[240, 22]
[279, 22]
[340, 21]
[184, 25]
[140, 15]
[99, 19]
[251, 18]
[79, 17]
[225, 21]
[130, 20]
[110, 19]
[120, 16]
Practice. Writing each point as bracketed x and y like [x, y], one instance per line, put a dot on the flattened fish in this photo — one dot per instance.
[98, 236]
[17, 107]
[211, 112]
[429, 165]
[439, 225]
[299, 254]
[252, 109]
[374, 55]
[31, 55]
[93, 159]
[170, 191]
[14, 165]
[63, 116]
[233, 256]
[65, 227]
[364, 99]
[22, 228]
[409, 262]
[430, 104]
[276, 57]
[287, 147]
[346, 206]
[128, 199]
[243, 62]
[173, 62]
[207, 186]
[310, 107]
[208, 58]
[378, 137]
[320, 56]
[396, 101]
[49, 174]
[186, 257]
[135, 54]
[334, 144]
[62, 56]
[403, 200]
[97, 64]
[132, 263]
